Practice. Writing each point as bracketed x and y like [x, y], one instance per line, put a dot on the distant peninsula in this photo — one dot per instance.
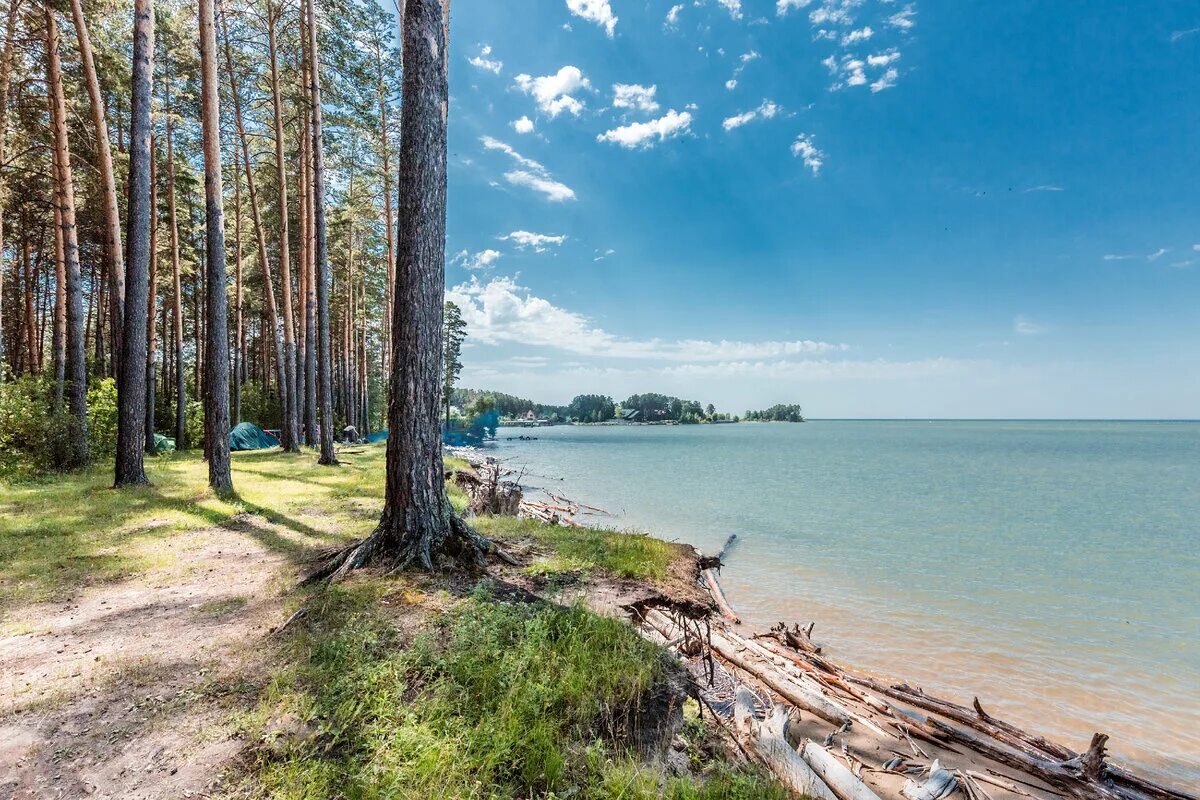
[651, 408]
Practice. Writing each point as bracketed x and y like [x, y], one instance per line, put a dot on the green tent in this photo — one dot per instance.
[162, 444]
[248, 436]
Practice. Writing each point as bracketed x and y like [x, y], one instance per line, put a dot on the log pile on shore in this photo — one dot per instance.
[832, 733]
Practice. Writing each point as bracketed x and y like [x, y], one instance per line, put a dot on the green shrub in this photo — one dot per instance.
[194, 424]
[102, 419]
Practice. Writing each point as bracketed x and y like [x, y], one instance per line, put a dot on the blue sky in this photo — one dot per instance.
[871, 208]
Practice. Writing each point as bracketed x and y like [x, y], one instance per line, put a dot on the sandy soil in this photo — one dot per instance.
[126, 690]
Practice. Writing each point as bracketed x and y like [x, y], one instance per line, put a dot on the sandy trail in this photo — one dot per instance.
[126, 690]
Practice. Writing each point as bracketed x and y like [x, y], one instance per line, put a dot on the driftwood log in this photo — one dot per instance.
[769, 741]
[837, 776]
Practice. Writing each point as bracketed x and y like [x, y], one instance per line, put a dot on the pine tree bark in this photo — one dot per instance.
[76, 357]
[239, 346]
[310, 302]
[418, 527]
[6, 61]
[131, 366]
[388, 227]
[290, 439]
[58, 334]
[152, 304]
[324, 357]
[216, 362]
[112, 218]
[302, 286]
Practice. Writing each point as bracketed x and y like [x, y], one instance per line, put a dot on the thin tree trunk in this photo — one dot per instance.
[76, 358]
[388, 229]
[152, 303]
[112, 221]
[310, 302]
[418, 526]
[239, 347]
[290, 428]
[31, 342]
[59, 333]
[259, 231]
[6, 60]
[216, 362]
[328, 457]
[131, 366]
[302, 287]
[181, 442]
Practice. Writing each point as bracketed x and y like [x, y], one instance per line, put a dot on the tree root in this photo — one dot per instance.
[464, 546]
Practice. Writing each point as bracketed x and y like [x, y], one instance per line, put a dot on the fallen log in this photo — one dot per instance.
[784, 761]
[714, 588]
[837, 776]
[939, 784]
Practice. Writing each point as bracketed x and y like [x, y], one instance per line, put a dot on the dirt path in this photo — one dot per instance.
[127, 689]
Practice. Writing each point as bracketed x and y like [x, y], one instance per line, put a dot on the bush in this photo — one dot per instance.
[193, 425]
[102, 419]
[34, 436]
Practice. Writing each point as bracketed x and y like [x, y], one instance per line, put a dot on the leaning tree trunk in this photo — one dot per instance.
[75, 356]
[418, 526]
[131, 366]
[112, 218]
[216, 362]
[324, 365]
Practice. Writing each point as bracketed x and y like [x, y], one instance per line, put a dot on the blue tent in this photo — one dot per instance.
[248, 436]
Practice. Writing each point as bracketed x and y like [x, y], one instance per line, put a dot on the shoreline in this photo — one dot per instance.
[906, 709]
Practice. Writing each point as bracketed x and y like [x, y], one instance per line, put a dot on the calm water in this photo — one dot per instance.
[1051, 568]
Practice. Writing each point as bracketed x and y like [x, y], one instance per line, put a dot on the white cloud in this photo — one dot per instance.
[555, 192]
[804, 148]
[834, 12]
[1151, 257]
[1196, 247]
[673, 15]
[483, 62]
[522, 125]
[1024, 326]
[597, 11]
[734, 7]
[634, 97]
[484, 259]
[501, 311]
[767, 110]
[495, 144]
[538, 241]
[731, 84]
[601, 256]
[783, 6]
[1177, 35]
[886, 81]
[1115, 257]
[903, 19]
[554, 94]
[856, 36]
[1045, 187]
[748, 57]
[532, 174]
[884, 59]
[644, 134]
[1157, 254]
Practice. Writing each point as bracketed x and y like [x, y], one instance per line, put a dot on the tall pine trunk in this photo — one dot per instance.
[290, 427]
[131, 366]
[418, 526]
[6, 61]
[239, 345]
[76, 358]
[152, 303]
[216, 361]
[324, 356]
[112, 218]
[181, 442]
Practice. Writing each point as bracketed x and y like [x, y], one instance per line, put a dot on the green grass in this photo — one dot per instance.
[62, 532]
[491, 701]
[623, 554]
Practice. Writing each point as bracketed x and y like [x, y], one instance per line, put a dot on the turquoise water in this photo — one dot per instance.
[1052, 568]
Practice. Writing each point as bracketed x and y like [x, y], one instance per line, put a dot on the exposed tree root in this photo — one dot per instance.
[461, 547]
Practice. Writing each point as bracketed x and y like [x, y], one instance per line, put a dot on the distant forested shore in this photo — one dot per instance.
[649, 408]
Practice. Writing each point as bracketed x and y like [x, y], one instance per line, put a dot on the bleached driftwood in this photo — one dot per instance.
[938, 785]
[782, 759]
[837, 776]
[714, 588]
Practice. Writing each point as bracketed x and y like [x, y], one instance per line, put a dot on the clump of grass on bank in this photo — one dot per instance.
[626, 555]
[491, 701]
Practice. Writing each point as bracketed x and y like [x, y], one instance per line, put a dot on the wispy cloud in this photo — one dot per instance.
[782, 7]
[734, 7]
[804, 148]
[1157, 254]
[1177, 35]
[646, 134]
[538, 241]
[1046, 187]
[555, 93]
[903, 19]
[532, 174]
[487, 64]
[502, 311]
[1024, 326]
[766, 110]
[597, 11]
[673, 15]
[1151, 257]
